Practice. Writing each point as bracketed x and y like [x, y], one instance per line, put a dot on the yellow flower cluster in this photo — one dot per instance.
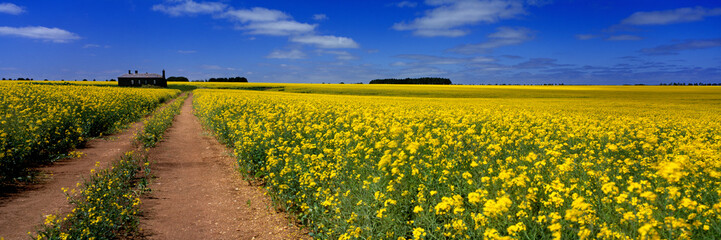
[106, 206]
[39, 121]
[495, 168]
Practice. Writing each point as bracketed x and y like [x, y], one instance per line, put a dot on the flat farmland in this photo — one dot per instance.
[358, 161]
[480, 161]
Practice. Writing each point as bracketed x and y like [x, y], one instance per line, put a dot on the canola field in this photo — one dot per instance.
[41, 121]
[571, 162]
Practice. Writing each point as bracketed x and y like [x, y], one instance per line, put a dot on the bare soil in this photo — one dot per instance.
[24, 207]
[197, 193]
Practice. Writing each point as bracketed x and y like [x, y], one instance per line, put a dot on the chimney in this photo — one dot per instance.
[163, 73]
[129, 72]
[136, 71]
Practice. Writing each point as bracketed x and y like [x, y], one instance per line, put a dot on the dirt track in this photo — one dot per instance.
[198, 195]
[24, 209]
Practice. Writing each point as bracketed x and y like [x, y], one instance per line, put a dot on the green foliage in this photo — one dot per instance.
[182, 87]
[233, 79]
[177, 79]
[161, 120]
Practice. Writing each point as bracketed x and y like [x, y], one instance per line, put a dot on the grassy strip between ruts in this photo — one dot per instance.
[107, 205]
[161, 120]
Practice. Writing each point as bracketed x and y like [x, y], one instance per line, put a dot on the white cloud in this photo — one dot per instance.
[503, 37]
[624, 38]
[679, 15]
[261, 21]
[585, 36]
[427, 60]
[256, 14]
[292, 54]
[279, 28]
[339, 55]
[538, 2]
[449, 15]
[92, 45]
[10, 8]
[407, 4]
[319, 17]
[216, 67]
[693, 44]
[211, 67]
[326, 41]
[190, 7]
[49, 34]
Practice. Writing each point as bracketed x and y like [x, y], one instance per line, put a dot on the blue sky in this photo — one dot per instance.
[468, 41]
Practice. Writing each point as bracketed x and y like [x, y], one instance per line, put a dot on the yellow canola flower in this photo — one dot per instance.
[587, 161]
[497, 207]
[41, 121]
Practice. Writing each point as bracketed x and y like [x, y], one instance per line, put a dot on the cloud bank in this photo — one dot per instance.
[10, 8]
[190, 8]
[292, 54]
[449, 18]
[43, 33]
[673, 49]
[680, 15]
[261, 21]
[504, 36]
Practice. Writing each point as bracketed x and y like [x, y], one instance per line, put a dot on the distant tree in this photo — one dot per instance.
[178, 79]
[21, 79]
[233, 79]
[85, 80]
[3, 78]
[93, 79]
[424, 80]
[45, 79]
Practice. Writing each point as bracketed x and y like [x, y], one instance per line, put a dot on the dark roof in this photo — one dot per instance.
[142, 75]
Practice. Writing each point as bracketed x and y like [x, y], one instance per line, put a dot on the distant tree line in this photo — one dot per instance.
[424, 80]
[177, 79]
[233, 79]
[517, 84]
[690, 84]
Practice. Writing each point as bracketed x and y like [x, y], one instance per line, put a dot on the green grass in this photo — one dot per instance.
[161, 120]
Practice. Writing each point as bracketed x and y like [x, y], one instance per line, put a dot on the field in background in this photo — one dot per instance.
[480, 161]
[472, 91]
[706, 94]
